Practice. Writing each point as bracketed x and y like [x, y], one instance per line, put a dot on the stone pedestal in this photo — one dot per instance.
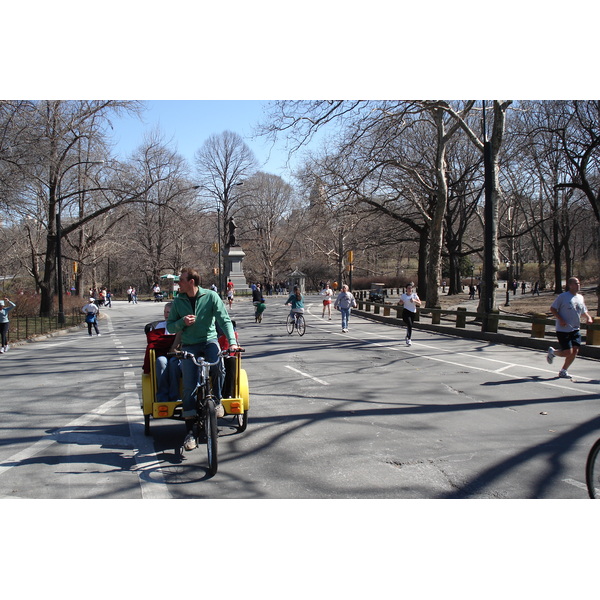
[232, 267]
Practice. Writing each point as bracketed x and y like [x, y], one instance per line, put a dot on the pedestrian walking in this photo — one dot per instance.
[5, 307]
[410, 301]
[568, 308]
[328, 293]
[344, 303]
[230, 293]
[91, 311]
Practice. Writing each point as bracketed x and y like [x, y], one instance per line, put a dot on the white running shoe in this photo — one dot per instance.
[220, 411]
[563, 374]
[408, 342]
[190, 441]
[550, 356]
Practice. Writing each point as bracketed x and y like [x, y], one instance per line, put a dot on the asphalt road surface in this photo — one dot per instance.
[332, 415]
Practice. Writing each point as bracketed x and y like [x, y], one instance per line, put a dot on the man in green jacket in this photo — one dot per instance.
[194, 312]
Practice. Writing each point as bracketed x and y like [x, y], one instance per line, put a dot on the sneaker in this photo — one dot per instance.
[408, 342]
[98, 334]
[1, 350]
[563, 374]
[190, 441]
[550, 356]
[220, 411]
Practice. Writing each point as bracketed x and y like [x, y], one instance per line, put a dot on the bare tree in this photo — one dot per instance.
[223, 163]
[266, 209]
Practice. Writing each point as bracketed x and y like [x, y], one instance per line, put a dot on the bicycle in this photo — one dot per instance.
[592, 471]
[296, 321]
[205, 420]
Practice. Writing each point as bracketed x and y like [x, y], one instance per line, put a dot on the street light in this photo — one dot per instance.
[507, 303]
[61, 310]
[219, 249]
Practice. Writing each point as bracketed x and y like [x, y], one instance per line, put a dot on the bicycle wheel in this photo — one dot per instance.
[210, 429]
[290, 324]
[301, 325]
[242, 421]
[592, 472]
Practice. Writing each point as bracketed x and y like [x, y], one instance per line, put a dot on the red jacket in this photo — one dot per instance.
[160, 341]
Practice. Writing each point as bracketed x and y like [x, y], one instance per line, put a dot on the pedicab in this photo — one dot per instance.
[235, 400]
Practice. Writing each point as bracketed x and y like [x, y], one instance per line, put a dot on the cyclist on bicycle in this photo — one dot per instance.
[297, 302]
[194, 312]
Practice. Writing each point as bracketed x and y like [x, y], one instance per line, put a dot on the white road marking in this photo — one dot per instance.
[496, 371]
[150, 475]
[307, 375]
[42, 444]
[577, 484]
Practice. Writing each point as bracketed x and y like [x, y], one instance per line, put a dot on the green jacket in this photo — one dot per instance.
[209, 308]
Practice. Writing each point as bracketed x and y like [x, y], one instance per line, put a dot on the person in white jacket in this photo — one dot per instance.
[5, 307]
[344, 303]
[328, 293]
[91, 311]
[411, 301]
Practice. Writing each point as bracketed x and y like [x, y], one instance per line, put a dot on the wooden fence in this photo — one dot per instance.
[534, 325]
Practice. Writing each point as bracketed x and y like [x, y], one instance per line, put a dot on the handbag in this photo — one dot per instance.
[90, 317]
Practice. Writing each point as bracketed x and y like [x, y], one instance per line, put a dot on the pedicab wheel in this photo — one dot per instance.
[290, 324]
[146, 424]
[301, 324]
[592, 472]
[242, 422]
[211, 431]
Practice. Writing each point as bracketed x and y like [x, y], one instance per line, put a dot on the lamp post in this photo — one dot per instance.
[219, 251]
[59, 287]
[507, 303]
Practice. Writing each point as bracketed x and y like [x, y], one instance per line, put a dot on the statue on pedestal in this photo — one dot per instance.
[232, 228]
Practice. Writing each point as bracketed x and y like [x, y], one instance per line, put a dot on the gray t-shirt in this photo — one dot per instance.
[570, 308]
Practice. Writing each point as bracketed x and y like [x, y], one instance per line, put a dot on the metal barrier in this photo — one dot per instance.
[23, 328]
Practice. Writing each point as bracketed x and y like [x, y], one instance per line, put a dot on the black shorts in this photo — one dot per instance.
[568, 339]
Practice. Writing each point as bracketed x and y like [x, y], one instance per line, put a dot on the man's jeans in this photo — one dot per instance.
[168, 374]
[191, 374]
[345, 316]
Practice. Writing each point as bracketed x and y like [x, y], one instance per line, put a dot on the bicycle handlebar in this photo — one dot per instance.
[202, 362]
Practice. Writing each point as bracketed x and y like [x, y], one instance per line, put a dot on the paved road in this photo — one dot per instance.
[333, 415]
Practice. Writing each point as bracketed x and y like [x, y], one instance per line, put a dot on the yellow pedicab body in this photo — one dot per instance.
[238, 404]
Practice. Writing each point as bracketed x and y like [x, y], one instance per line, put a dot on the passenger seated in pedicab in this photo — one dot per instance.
[168, 369]
[228, 361]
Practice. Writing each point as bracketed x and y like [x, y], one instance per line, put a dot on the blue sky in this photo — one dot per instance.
[188, 123]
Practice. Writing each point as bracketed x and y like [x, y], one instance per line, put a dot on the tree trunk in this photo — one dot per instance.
[436, 236]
